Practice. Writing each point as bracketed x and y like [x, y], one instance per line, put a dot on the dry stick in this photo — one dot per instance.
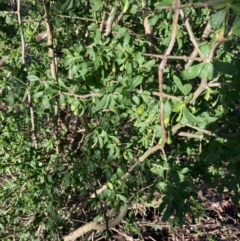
[34, 139]
[162, 66]
[101, 227]
[53, 66]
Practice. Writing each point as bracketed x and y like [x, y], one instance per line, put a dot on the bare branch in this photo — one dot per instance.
[184, 57]
[83, 96]
[50, 40]
[167, 96]
[190, 135]
[53, 65]
[190, 32]
[206, 132]
[34, 138]
[189, 5]
[194, 54]
[162, 67]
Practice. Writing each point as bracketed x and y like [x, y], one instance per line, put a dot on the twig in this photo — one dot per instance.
[162, 67]
[83, 96]
[167, 96]
[53, 66]
[176, 127]
[189, 5]
[128, 238]
[194, 54]
[34, 139]
[203, 86]
[184, 57]
[80, 18]
[202, 130]
[50, 40]
[190, 32]
[218, 84]
[190, 135]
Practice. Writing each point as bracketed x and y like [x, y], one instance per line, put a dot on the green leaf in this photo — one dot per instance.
[183, 120]
[96, 6]
[149, 64]
[136, 99]
[185, 170]
[70, 5]
[235, 8]
[219, 4]
[207, 94]
[187, 89]
[190, 117]
[168, 212]
[178, 83]
[165, 201]
[193, 71]
[207, 71]
[179, 208]
[167, 109]
[135, 82]
[32, 78]
[163, 186]
[62, 84]
[236, 27]
[164, 3]
[178, 106]
[225, 67]
[218, 18]
[205, 49]
[38, 94]
[122, 198]
[100, 104]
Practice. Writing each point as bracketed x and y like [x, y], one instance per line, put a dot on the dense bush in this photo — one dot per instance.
[111, 103]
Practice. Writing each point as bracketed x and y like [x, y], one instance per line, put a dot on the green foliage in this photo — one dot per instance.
[64, 137]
